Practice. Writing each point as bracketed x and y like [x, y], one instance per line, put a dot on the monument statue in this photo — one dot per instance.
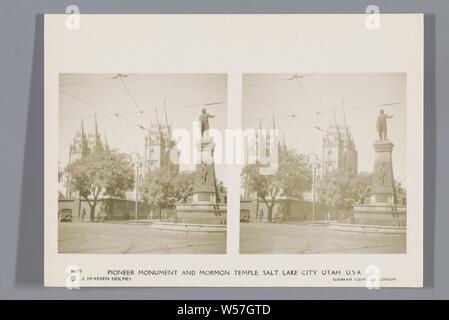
[204, 121]
[205, 206]
[379, 205]
[382, 124]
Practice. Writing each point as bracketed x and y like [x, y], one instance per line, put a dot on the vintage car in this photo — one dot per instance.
[244, 215]
[65, 215]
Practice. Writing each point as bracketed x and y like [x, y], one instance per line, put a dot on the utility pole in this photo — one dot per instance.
[314, 193]
[137, 192]
[136, 203]
[314, 163]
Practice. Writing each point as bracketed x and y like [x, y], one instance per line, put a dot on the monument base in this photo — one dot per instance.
[201, 213]
[380, 215]
[189, 227]
[365, 228]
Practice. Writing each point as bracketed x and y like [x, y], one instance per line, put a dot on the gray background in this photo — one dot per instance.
[22, 145]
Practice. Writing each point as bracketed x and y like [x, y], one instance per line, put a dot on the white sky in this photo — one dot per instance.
[360, 93]
[109, 96]
[185, 94]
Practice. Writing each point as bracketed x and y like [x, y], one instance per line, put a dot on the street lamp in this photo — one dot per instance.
[314, 163]
[137, 164]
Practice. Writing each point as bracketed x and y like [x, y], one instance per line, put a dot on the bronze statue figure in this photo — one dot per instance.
[204, 121]
[382, 124]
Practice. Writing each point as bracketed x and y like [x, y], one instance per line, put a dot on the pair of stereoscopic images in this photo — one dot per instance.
[144, 159]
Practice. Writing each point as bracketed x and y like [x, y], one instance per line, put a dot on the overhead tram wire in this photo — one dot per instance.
[117, 115]
[389, 104]
[283, 112]
[84, 82]
[296, 116]
[120, 76]
[299, 84]
[346, 109]
[108, 113]
[263, 83]
[146, 110]
[268, 105]
[122, 80]
[84, 101]
[330, 111]
[265, 118]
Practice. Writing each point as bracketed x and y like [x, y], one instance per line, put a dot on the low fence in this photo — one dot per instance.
[112, 209]
[290, 210]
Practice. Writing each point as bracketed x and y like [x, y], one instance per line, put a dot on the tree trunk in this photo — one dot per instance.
[92, 211]
[270, 214]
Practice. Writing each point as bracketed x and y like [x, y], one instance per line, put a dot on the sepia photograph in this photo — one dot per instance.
[265, 135]
[335, 145]
[125, 183]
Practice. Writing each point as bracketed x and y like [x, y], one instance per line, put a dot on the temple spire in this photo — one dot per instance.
[84, 144]
[335, 118]
[166, 120]
[96, 126]
[98, 145]
[284, 144]
[157, 118]
[106, 140]
[344, 113]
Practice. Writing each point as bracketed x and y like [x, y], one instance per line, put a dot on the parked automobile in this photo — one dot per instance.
[244, 215]
[65, 215]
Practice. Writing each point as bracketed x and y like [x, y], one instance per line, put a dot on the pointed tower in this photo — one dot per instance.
[284, 144]
[84, 142]
[339, 151]
[97, 135]
[166, 121]
[273, 138]
[158, 145]
[98, 145]
[106, 145]
[258, 141]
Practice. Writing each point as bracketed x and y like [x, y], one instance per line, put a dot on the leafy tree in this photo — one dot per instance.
[100, 173]
[292, 178]
[158, 189]
[340, 189]
[183, 181]
[294, 173]
[360, 186]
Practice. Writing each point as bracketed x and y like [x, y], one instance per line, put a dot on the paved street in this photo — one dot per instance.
[304, 239]
[123, 238]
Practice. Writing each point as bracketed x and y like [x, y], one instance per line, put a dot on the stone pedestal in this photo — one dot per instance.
[205, 207]
[381, 207]
[382, 187]
[204, 189]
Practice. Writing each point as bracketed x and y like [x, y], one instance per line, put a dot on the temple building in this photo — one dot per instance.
[266, 140]
[339, 151]
[159, 144]
[263, 139]
[83, 144]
